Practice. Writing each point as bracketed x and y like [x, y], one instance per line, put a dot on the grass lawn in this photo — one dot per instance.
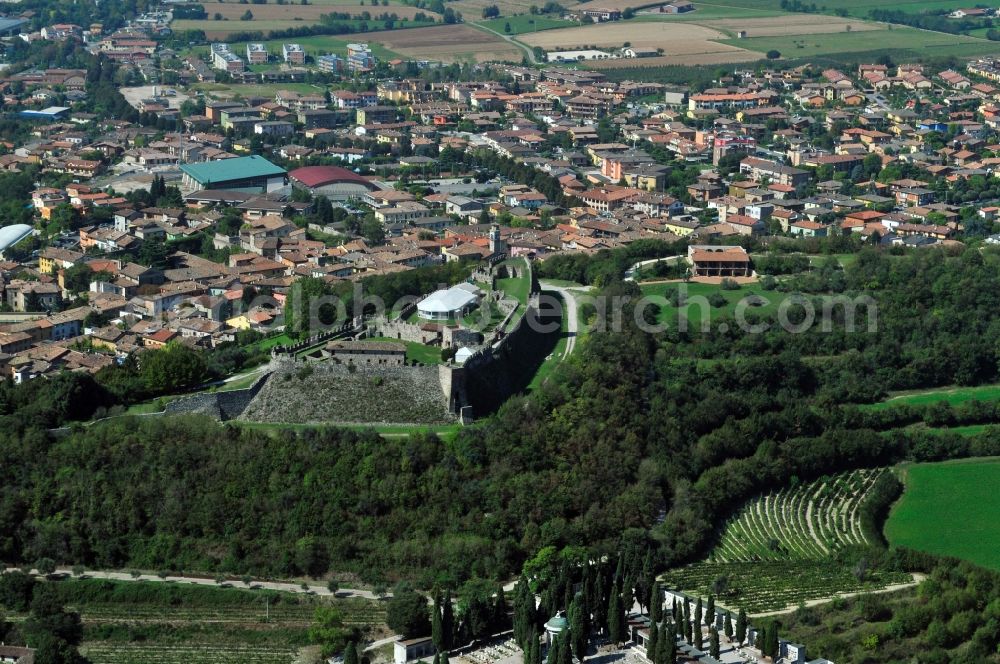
[525, 23]
[698, 306]
[547, 366]
[240, 383]
[270, 342]
[516, 288]
[146, 407]
[845, 260]
[951, 395]
[416, 352]
[968, 430]
[950, 509]
[917, 42]
[564, 283]
[444, 431]
[483, 318]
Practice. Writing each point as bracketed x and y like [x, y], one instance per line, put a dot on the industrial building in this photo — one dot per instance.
[253, 173]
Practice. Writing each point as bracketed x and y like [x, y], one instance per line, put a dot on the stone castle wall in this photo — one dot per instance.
[306, 392]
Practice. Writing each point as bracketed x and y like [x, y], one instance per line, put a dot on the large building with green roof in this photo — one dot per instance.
[253, 173]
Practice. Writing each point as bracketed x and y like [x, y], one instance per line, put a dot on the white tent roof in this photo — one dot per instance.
[11, 235]
[446, 301]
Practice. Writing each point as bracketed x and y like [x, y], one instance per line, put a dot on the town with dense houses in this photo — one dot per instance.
[313, 314]
[346, 184]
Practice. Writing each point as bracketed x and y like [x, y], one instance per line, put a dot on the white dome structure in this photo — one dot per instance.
[11, 235]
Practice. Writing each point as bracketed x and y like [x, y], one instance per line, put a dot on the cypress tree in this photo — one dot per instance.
[697, 615]
[771, 643]
[553, 655]
[698, 641]
[586, 586]
[710, 612]
[654, 638]
[616, 617]
[713, 642]
[566, 649]
[679, 625]
[628, 593]
[537, 647]
[727, 625]
[437, 633]
[578, 627]
[499, 610]
[656, 603]
[663, 644]
[670, 650]
[448, 622]
[351, 653]
[741, 626]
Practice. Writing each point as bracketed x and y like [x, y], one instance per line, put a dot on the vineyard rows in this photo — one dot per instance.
[280, 613]
[119, 653]
[806, 522]
[771, 585]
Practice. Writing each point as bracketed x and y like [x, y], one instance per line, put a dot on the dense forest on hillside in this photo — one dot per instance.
[632, 427]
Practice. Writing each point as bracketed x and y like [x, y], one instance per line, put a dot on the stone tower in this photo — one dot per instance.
[497, 246]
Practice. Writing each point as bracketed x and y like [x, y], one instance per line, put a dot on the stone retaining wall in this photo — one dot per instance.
[305, 392]
[227, 405]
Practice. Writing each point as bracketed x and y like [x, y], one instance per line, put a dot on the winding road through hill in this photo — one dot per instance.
[572, 317]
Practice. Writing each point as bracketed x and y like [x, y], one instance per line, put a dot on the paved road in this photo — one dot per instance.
[528, 52]
[630, 273]
[572, 320]
[283, 586]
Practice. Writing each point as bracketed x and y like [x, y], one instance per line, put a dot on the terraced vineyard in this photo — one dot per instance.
[200, 653]
[357, 613]
[772, 585]
[807, 522]
[778, 550]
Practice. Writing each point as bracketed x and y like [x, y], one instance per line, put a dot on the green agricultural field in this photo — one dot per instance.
[215, 29]
[525, 23]
[950, 509]
[906, 40]
[949, 395]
